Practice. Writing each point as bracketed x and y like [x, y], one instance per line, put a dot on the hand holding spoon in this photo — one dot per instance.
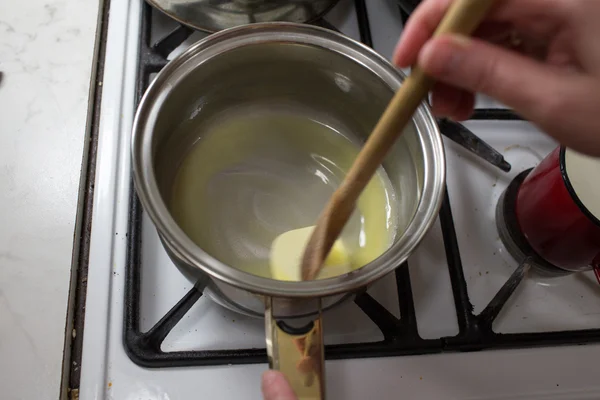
[462, 18]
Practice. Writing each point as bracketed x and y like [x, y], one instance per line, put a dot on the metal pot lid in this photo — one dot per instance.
[215, 15]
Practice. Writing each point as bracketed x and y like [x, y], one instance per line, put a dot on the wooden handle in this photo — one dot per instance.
[462, 17]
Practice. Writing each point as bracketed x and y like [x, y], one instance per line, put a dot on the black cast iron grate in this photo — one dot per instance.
[400, 336]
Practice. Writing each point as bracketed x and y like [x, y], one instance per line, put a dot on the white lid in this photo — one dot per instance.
[583, 172]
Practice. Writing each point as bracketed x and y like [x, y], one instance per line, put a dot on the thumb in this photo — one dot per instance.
[276, 387]
[476, 66]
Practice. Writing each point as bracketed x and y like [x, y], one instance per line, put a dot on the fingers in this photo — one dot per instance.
[510, 10]
[476, 66]
[418, 30]
[558, 93]
[541, 93]
[449, 101]
[537, 17]
[276, 387]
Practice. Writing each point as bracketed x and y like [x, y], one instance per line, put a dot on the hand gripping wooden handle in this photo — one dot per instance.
[462, 17]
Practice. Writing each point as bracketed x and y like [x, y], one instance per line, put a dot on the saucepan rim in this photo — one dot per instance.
[185, 249]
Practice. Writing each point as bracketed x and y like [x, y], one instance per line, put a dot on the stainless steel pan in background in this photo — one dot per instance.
[215, 15]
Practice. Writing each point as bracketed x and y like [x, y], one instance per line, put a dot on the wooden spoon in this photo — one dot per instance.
[462, 18]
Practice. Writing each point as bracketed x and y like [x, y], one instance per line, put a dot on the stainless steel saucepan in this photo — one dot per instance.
[320, 70]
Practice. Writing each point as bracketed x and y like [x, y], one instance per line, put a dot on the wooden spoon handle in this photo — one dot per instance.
[462, 17]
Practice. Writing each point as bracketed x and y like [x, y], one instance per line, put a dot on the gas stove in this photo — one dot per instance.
[461, 319]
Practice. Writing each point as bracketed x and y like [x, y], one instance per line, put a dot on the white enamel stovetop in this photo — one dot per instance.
[537, 305]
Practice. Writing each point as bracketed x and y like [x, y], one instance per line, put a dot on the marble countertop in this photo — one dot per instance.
[46, 63]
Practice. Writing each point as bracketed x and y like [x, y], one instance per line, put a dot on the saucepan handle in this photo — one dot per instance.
[298, 353]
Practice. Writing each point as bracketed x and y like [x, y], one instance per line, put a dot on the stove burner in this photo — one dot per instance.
[400, 335]
[511, 235]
